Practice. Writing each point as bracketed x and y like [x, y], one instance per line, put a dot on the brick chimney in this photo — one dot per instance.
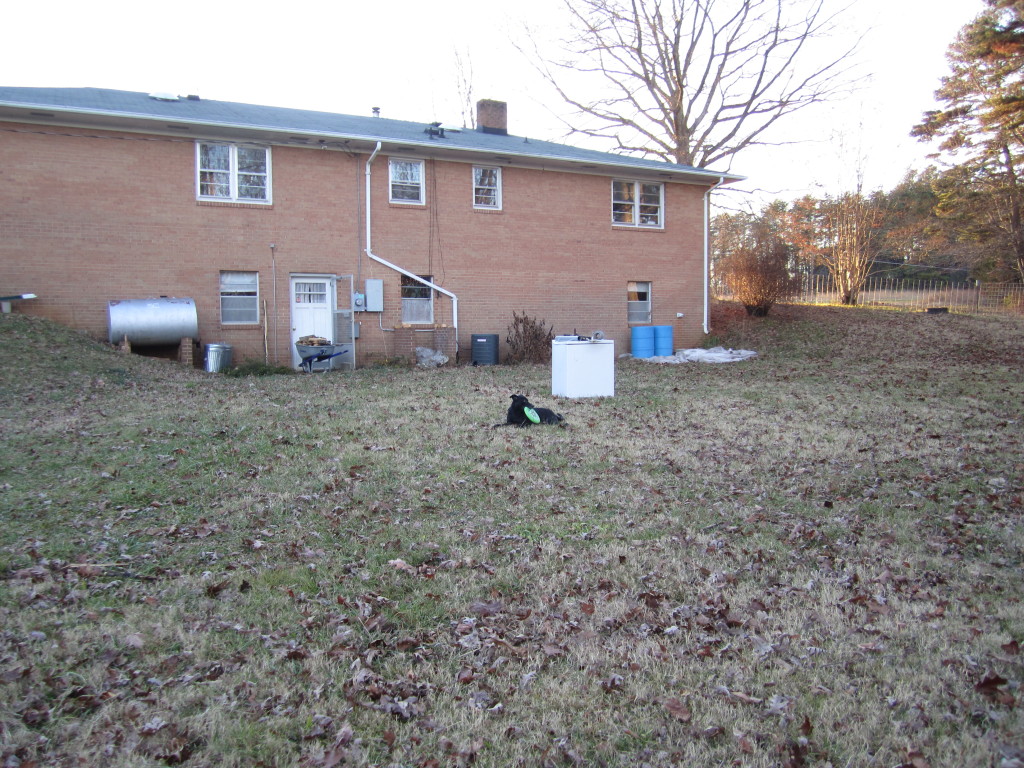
[492, 117]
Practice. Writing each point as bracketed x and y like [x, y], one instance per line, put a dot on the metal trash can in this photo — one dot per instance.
[217, 357]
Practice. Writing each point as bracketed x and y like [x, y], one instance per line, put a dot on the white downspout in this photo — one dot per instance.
[707, 256]
[407, 273]
[369, 231]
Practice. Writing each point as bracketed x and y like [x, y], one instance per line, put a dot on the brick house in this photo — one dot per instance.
[280, 223]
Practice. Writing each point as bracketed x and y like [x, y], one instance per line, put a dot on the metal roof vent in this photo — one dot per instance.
[163, 96]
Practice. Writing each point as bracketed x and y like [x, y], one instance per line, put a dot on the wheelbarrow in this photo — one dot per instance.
[311, 355]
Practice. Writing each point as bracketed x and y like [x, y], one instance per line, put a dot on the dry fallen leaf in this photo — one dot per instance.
[487, 608]
[154, 725]
[612, 683]
[806, 728]
[745, 698]
[134, 640]
[401, 565]
[992, 687]
[677, 709]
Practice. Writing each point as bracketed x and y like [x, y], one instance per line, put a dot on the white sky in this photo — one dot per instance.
[350, 55]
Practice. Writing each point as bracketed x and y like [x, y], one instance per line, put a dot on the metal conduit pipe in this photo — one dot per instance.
[395, 267]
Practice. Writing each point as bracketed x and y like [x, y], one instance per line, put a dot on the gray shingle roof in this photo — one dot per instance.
[201, 118]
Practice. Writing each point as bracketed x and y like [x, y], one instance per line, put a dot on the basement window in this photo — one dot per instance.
[239, 298]
[417, 301]
[637, 204]
[233, 173]
[406, 181]
[638, 301]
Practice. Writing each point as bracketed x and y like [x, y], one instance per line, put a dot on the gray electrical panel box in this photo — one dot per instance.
[374, 295]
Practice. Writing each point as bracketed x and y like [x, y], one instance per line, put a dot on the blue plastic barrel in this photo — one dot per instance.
[642, 340]
[663, 341]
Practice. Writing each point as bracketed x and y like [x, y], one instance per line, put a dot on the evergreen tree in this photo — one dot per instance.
[981, 127]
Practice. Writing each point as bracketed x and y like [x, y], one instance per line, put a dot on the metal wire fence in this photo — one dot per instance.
[915, 295]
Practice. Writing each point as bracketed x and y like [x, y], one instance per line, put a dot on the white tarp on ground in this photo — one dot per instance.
[713, 355]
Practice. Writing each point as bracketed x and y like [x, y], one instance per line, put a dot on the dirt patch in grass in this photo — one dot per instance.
[809, 558]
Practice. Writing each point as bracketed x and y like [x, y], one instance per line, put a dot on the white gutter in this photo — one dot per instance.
[407, 273]
[707, 257]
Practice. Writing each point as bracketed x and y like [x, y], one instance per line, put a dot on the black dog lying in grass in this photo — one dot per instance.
[522, 413]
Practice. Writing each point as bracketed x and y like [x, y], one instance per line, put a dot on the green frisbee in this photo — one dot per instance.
[532, 415]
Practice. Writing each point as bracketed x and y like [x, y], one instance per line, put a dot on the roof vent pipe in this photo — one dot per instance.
[376, 111]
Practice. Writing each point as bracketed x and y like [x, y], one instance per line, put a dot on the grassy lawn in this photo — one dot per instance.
[813, 558]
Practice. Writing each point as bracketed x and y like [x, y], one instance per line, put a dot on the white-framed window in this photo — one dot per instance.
[638, 203]
[239, 298]
[417, 301]
[406, 181]
[232, 173]
[638, 301]
[487, 187]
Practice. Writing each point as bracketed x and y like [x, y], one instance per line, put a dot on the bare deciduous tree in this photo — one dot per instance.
[852, 224]
[696, 81]
[464, 86]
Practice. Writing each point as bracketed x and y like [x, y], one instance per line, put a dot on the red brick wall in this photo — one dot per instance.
[96, 216]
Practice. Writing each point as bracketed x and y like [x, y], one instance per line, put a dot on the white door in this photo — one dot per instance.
[313, 304]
